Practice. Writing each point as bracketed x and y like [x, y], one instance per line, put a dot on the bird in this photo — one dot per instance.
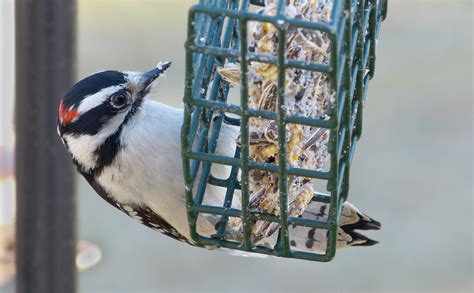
[127, 146]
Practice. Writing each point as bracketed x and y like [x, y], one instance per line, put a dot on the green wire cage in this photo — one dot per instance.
[218, 32]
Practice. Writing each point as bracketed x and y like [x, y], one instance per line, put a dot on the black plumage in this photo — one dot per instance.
[146, 216]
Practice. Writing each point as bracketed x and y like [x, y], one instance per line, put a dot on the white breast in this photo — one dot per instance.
[148, 170]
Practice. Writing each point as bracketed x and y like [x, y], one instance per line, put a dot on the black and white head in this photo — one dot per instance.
[94, 111]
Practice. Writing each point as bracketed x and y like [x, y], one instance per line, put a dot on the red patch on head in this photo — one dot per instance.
[66, 115]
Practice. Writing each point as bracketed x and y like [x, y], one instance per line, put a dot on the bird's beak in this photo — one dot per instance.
[148, 77]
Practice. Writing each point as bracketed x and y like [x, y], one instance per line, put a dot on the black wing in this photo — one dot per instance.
[143, 214]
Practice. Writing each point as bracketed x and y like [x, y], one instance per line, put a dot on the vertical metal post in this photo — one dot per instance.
[45, 51]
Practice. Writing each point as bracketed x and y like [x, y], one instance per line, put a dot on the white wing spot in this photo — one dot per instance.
[136, 217]
[128, 208]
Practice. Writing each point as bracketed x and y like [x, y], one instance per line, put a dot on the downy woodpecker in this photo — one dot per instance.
[127, 146]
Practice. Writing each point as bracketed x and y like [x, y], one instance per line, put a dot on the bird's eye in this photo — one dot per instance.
[118, 100]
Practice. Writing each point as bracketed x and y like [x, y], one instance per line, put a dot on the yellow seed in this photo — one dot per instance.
[262, 66]
[270, 150]
[268, 27]
[270, 72]
[253, 149]
[266, 47]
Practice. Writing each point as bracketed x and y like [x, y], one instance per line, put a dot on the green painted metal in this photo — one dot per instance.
[217, 32]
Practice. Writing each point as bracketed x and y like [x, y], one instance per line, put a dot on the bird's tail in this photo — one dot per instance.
[315, 240]
[351, 221]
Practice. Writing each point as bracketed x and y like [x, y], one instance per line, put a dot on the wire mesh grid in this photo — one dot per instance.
[217, 32]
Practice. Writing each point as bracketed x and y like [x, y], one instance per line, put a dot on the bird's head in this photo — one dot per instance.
[93, 111]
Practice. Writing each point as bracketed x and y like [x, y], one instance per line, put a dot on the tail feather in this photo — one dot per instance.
[351, 220]
[352, 217]
[315, 240]
[359, 239]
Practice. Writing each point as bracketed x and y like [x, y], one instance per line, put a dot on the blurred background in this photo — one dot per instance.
[412, 170]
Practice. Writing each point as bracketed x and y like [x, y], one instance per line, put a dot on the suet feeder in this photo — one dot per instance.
[218, 34]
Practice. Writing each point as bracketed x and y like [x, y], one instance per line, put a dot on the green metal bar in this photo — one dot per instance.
[342, 168]
[341, 34]
[341, 100]
[234, 109]
[346, 133]
[362, 26]
[220, 106]
[384, 11]
[310, 121]
[352, 119]
[309, 173]
[355, 71]
[185, 135]
[364, 92]
[354, 38]
[194, 123]
[200, 92]
[354, 9]
[250, 16]
[244, 137]
[262, 58]
[365, 60]
[264, 217]
[342, 140]
[321, 197]
[308, 66]
[340, 71]
[199, 145]
[263, 166]
[231, 186]
[373, 36]
[216, 181]
[334, 142]
[353, 146]
[282, 111]
[265, 114]
[212, 144]
[229, 212]
[309, 223]
[336, 11]
[203, 73]
[214, 158]
[258, 2]
[204, 23]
